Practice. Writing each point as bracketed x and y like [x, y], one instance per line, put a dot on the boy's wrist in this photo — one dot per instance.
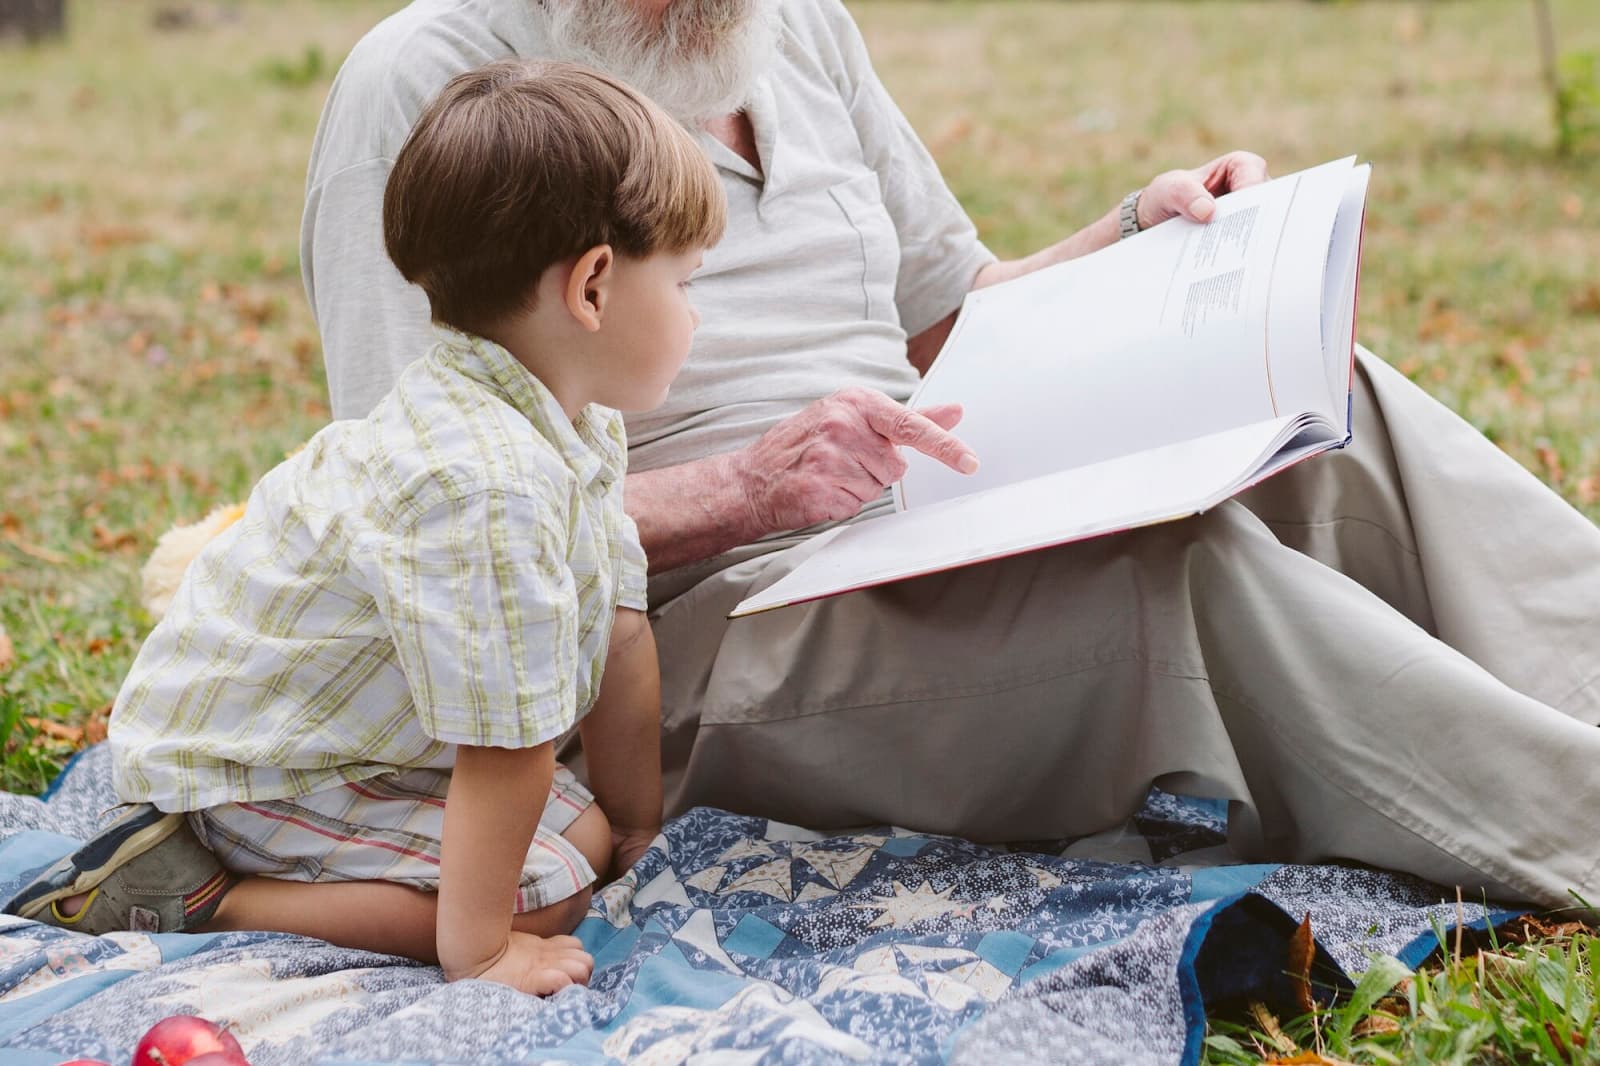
[461, 966]
[491, 815]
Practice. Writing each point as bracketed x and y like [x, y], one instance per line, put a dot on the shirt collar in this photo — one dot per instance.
[518, 23]
[592, 445]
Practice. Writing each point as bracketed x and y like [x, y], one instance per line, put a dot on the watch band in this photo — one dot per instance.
[1128, 215]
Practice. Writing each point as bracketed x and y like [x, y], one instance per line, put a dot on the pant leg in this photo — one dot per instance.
[1040, 695]
[1431, 516]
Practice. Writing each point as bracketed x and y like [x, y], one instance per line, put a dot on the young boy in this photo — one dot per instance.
[355, 698]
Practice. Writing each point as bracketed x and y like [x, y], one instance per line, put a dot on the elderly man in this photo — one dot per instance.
[1390, 654]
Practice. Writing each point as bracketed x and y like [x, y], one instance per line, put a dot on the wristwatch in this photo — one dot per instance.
[1128, 215]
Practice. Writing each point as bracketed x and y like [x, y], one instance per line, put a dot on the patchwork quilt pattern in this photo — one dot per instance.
[738, 940]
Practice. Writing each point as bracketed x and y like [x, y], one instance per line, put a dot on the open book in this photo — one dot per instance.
[1146, 382]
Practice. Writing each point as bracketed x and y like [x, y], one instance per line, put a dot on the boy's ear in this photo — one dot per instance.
[588, 290]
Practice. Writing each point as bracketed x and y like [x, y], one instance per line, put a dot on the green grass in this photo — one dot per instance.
[1534, 1002]
[159, 356]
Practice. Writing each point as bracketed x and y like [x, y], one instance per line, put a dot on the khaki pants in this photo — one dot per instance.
[1389, 654]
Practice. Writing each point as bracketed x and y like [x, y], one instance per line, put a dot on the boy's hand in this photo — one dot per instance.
[627, 847]
[536, 965]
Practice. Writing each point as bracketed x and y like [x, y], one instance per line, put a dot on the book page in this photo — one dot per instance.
[1157, 339]
[1339, 292]
[1297, 312]
[1132, 490]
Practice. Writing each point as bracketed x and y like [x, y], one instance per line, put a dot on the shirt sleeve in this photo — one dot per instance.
[940, 253]
[483, 612]
[631, 589]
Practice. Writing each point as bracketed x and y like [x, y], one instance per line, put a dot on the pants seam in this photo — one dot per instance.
[1398, 543]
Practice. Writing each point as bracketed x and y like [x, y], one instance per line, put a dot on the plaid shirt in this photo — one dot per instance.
[444, 571]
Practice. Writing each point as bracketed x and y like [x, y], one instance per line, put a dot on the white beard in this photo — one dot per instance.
[700, 59]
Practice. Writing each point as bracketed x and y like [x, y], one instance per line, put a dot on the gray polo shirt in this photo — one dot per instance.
[844, 241]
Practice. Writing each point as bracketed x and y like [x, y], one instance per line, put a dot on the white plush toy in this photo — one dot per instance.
[174, 551]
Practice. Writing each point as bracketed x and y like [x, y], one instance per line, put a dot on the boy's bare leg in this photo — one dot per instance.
[374, 916]
[396, 919]
[382, 916]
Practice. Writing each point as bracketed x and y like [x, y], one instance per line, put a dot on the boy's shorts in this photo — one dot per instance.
[386, 828]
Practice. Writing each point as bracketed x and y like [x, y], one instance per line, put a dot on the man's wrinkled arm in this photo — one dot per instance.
[821, 464]
[690, 512]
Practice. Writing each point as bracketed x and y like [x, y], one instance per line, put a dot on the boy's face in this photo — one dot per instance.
[649, 326]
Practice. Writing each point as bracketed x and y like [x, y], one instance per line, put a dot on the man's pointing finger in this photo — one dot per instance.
[901, 425]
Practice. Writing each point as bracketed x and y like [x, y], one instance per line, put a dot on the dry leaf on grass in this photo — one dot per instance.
[46, 727]
[1268, 1024]
[1302, 951]
[1550, 460]
[108, 541]
[99, 722]
[1586, 301]
[1528, 928]
[34, 551]
[1562, 1048]
[1375, 1025]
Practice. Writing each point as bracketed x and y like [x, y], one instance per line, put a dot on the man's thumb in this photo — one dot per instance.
[1194, 200]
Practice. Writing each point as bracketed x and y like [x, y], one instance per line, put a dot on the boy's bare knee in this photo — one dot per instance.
[559, 918]
[590, 833]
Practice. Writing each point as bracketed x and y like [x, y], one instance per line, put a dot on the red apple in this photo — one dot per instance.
[183, 1039]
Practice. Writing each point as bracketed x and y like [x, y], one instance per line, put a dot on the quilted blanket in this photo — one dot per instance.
[738, 940]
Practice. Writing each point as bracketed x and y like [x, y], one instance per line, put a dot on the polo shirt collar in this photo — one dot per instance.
[591, 445]
[518, 23]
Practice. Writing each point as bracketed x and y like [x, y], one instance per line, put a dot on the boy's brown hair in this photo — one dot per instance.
[518, 165]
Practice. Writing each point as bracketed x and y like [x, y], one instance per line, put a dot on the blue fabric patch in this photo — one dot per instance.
[904, 846]
[33, 850]
[175, 946]
[668, 980]
[22, 1014]
[753, 937]
[1055, 961]
[1219, 882]
[1006, 951]
[613, 950]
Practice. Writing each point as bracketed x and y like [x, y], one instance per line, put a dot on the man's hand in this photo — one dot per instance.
[838, 454]
[536, 965]
[1192, 193]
